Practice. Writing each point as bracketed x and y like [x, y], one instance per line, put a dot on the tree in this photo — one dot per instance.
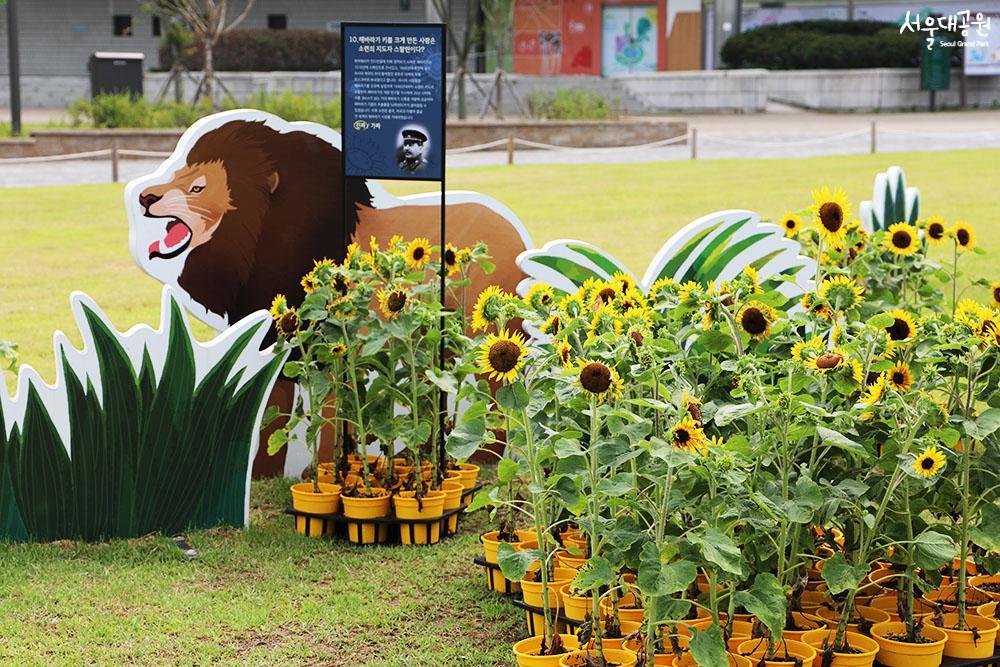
[462, 45]
[207, 20]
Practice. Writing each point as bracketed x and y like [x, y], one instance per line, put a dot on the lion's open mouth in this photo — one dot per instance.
[176, 241]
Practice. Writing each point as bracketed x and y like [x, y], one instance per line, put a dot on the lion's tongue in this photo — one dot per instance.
[176, 233]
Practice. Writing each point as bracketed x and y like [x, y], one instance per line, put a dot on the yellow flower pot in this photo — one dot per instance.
[628, 627]
[431, 506]
[685, 660]
[756, 649]
[495, 581]
[869, 614]
[376, 507]
[964, 643]
[526, 651]
[888, 604]
[304, 499]
[814, 599]
[468, 473]
[452, 501]
[742, 631]
[806, 623]
[531, 592]
[575, 607]
[618, 657]
[893, 653]
[628, 608]
[818, 639]
[563, 559]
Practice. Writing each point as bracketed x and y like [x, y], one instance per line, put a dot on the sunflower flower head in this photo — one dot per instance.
[540, 297]
[927, 463]
[565, 353]
[903, 327]
[831, 214]
[791, 223]
[899, 377]
[418, 253]
[279, 306]
[935, 230]
[842, 293]
[599, 380]
[995, 294]
[687, 435]
[392, 302]
[755, 319]
[874, 392]
[964, 235]
[450, 259]
[490, 308]
[807, 350]
[502, 355]
[901, 239]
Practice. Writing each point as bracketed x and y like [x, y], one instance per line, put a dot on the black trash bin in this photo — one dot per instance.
[116, 72]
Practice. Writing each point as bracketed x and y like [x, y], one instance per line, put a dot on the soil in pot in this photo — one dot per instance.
[612, 657]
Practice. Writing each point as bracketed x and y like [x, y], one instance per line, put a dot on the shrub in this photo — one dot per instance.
[572, 104]
[266, 50]
[824, 44]
[123, 110]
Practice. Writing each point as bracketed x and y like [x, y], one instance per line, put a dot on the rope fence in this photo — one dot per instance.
[511, 143]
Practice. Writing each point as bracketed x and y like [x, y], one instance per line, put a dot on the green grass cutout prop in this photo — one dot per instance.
[146, 431]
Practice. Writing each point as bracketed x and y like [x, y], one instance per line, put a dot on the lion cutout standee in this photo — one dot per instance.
[248, 201]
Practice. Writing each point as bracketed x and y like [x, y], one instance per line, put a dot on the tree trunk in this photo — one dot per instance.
[209, 74]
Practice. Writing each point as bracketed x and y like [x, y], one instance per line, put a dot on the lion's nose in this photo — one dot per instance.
[148, 199]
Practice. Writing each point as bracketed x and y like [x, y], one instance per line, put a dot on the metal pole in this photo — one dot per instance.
[694, 143]
[14, 67]
[510, 149]
[874, 138]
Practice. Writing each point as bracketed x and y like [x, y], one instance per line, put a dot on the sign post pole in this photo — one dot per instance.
[393, 89]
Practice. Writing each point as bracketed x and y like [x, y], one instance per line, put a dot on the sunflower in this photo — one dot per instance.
[755, 319]
[899, 377]
[936, 232]
[352, 256]
[928, 462]
[749, 275]
[279, 306]
[791, 223]
[599, 380]
[903, 326]
[875, 391]
[638, 317]
[391, 302]
[571, 304]
[689, 292]
[901, 239]
[604, 320]
[819, 308]
[841, 292]
[553, 325]
[502, 356]
[602, 294]
[964, 235]
[418, 253]
[338, 350]
[689, 436]
[489, 307]
[622, 282]
[662, 287]
[807, 350]
[831, 213]
[539, 296]
[450, 257]
[464, 257]
[828, 361]
[565, 352]
[693, 406]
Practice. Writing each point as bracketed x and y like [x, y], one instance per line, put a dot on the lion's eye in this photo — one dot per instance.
[195, 189]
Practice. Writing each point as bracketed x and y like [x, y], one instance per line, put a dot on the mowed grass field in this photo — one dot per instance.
[267, 596]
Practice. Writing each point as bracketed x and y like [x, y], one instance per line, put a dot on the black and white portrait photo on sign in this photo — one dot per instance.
[414, 149]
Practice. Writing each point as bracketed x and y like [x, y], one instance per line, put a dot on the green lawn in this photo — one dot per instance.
[266, 595]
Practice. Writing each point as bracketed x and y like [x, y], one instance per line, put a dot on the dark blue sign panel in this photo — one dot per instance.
[393, 100]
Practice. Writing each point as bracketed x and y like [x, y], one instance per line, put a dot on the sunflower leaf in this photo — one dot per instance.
[708, 648]
[514, 564]
[837, 439]
[932, 550]
[840, 575]
[513, 397]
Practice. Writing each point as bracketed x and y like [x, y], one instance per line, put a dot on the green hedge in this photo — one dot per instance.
[125, 111]
[824, 44]
[572, 104]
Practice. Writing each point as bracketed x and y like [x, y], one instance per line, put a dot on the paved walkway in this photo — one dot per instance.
[779, 134]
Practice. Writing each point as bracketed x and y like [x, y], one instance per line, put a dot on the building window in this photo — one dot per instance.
[277, 21]
[122, 25]
[156, 26]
